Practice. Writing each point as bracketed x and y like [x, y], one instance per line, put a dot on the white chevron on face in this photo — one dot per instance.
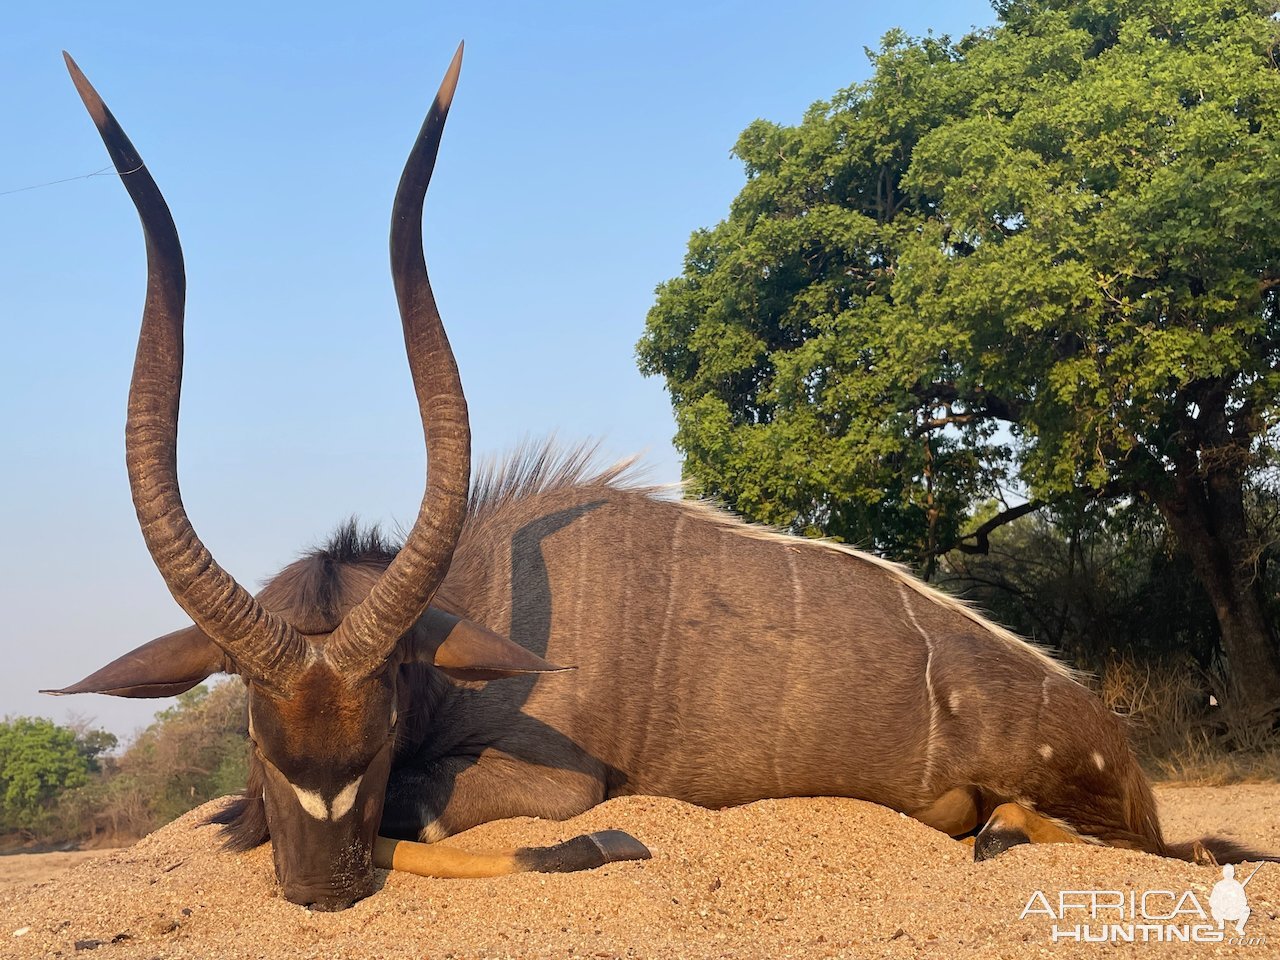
[345, 799]
[314, 804]
[311, 802]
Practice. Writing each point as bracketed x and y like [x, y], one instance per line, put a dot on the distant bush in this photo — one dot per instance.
[193, 752]
[1093, 585]
[39, 761]
[1183, 726]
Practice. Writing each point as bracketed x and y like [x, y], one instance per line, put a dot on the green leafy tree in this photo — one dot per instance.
[94, 743]
[1043, 257]
[194, 751]
[38, 760]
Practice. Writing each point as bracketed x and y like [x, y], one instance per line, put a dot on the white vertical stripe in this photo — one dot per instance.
[928, 684]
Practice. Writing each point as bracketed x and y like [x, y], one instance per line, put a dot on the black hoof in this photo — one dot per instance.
[586, 852]
[993, 842]
[617, 846]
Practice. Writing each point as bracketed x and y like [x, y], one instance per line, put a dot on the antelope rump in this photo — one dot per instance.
[400, 693]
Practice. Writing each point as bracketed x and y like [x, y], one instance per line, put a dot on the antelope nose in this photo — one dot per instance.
[325, 900]
[331, 904]
[322, 901]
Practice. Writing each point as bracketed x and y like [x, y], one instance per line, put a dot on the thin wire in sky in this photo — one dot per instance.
[84, 176]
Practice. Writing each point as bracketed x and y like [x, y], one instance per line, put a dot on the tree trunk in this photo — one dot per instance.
[1206, 513]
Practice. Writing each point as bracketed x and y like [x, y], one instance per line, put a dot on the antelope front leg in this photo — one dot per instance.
[954, 813]
[1013, 823]
[585, 852]
[457, 793]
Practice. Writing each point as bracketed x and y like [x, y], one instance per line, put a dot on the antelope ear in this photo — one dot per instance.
[165, 667]
[465, 650]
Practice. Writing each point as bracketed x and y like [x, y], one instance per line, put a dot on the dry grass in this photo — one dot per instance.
[1187, 726]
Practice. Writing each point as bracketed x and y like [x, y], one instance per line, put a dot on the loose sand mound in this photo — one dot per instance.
[781, 878]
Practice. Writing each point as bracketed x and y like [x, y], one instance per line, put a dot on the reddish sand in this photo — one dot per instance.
[784, 878]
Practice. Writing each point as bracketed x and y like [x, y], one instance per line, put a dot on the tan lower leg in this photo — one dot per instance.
[585, 852]
[433, 860]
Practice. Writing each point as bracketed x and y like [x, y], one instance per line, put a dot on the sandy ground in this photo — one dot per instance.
[781, 878]
[23, 869]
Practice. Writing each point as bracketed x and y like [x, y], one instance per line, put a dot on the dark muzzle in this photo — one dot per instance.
[328, 897]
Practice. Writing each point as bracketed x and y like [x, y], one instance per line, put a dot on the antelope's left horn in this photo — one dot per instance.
[262, 645]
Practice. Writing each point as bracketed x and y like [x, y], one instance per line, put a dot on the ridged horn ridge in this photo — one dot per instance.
[262, 646]
[371, 630]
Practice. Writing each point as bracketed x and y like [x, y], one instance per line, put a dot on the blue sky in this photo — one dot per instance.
[586, 142]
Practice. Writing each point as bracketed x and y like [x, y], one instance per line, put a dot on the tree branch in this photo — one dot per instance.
[982, 536]
[979, 401]
[934, 423]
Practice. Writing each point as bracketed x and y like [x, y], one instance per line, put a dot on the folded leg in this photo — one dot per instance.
[454, 794]
[1013, 823]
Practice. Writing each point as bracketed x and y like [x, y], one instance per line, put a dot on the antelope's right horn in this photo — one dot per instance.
[371, 630]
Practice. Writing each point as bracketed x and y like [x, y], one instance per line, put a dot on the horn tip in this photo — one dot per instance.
[450, 82]
[97, 109]
[73, 68]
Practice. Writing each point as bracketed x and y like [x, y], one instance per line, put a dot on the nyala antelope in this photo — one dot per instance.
[399, 694]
